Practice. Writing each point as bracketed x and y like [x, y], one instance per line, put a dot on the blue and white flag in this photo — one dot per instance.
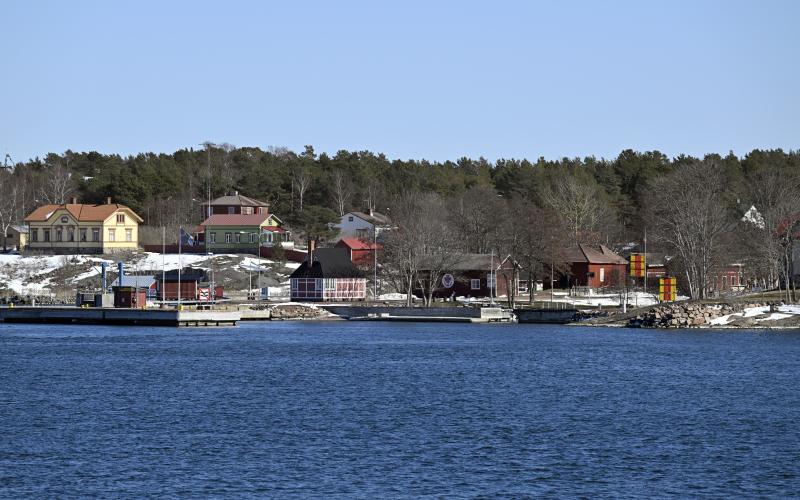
[186, 239]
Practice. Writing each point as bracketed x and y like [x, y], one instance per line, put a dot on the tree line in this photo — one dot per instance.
[692, 208]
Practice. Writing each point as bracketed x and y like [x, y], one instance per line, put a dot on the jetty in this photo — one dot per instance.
[119, 316]
[429, 314]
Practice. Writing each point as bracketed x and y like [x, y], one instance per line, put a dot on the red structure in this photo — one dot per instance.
[362, 253]
[729, 279]
[234, 203]
[473, 275]
[129, 297]
[327, 274]
[593, 266]
[194, 286]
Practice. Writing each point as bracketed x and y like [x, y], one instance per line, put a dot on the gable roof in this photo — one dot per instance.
[592, 254]
[328, 263]
[376, 218]
[236, 220]
[238, 200]
[80, 212]
[470, 262]
[357, 244]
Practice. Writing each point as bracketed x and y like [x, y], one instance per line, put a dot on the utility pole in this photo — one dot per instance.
[375, 258]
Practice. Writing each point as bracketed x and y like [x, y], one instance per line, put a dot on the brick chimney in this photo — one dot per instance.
[312, 245]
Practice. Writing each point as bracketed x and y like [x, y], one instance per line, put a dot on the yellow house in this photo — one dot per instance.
[78, 228]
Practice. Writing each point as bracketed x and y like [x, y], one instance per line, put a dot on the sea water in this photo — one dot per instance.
[351, 409]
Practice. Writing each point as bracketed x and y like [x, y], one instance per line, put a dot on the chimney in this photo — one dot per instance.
[371, 212]
[108, 201]
[73, 200]
[312, 245]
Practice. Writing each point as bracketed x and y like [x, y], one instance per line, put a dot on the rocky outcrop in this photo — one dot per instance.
[688, 315]
[297, 311]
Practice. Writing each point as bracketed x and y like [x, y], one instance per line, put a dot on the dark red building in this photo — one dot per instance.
[593, 266]
[473, 275]
[194, 286]
[234, 203]
[362, 253]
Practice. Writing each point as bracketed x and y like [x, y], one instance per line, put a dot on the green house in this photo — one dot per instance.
[243, 233]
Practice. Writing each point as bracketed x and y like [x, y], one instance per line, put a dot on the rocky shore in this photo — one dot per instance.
[688, 315]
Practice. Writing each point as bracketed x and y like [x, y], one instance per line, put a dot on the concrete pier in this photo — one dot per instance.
[433, 314]
[111, 316]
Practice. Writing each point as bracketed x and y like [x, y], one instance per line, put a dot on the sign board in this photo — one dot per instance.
[638, 265]
[448, 281]
[667, 289]
[204, 294]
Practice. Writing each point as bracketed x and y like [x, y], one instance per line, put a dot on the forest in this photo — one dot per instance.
[691, 208]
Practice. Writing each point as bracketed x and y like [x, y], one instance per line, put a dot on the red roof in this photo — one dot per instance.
[356, 244]
[236, 220]
[80, 212]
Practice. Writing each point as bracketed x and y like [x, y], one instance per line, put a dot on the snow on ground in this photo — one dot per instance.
[758, 314]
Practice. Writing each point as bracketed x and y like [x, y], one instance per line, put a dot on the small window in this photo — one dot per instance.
[83, 234]
[64, 219]
[252, 237]
[228, 237]
[95, 234]
[231, 210]
[46, 235]
[129, 235]
[350, 219]
[212, 238]
[34, 235]
[120, 218]
[59, 234]
[71, 234]
[112, 235]
[602, 275]
[490, 280]
[724, 282]
[475, 284]
[238, 238]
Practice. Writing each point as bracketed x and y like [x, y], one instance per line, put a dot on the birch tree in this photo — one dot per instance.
[342, 190]
[686, 213]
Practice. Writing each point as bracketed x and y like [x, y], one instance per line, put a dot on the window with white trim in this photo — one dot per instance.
[129, 234]
[112, 235]
[228, 237]
[602, 274]
[475, 284]
[252, 237]
[212, 238]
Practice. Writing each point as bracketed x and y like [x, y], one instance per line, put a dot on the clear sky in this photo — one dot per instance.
[427, 79]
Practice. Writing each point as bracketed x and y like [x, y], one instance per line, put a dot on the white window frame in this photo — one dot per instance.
[475, 284]
[112, 235]
[602, 275]
[128, 234]
[252, 237]
[228, 237]
[212, 238]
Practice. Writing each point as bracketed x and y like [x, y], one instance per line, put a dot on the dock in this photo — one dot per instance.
[429, 314]
[119, 316]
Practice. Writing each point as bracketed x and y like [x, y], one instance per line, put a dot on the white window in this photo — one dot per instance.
[231, 210]
[112, 235]
[95, 234]
[238, 238]
[212, 237]
[129, 235]
[252, 237]
[64, 219]
[491, 280]
[120, 218]
[228, 237]
[475, 284]
[602, 274]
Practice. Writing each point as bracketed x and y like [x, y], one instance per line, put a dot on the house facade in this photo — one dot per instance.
[475, 275]
[593, 266]
[363, 226]
[232, 204]
[327, 275]
[81, 228]
[242, 233]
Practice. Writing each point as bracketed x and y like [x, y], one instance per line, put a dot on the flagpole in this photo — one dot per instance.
[645, 260]
[180, 265]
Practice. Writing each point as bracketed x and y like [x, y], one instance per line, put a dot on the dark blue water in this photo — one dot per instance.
[389, 410]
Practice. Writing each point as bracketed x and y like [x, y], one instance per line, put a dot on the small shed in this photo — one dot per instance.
[593, 266]
[129, 297]
[148, 283]
[362, 253]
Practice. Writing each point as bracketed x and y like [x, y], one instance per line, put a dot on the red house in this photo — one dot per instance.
[473, 275]
[327, 274]
[234, 203]
[362, 253]
[593, 266]
[192, 285]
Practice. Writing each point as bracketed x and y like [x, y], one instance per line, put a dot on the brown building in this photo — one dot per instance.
[593, 266]
[473, 275]
[192, 285]
[234, 203]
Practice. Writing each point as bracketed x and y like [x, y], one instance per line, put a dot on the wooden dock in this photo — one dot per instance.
[111, 316]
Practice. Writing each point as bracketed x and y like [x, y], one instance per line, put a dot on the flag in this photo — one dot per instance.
[186, 238]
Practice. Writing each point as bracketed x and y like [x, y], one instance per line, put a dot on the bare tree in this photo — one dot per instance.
[301, 181]
[770, 227]
[58, 185]
[342, 190]
[11, 191]
[580, 205]
[475, 215]
[686, 212]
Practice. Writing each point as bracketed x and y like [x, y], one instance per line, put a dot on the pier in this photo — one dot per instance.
[118, 316]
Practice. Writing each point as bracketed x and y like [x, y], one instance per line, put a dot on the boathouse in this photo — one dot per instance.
[327, 274]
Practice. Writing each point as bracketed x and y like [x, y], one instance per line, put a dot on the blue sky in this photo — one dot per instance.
[435, 80]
